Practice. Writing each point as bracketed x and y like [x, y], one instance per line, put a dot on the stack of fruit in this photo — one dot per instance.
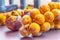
[41, 20]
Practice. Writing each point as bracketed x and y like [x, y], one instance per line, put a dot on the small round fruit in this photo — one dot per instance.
[53, 5]
[34, 12]
[39, 18]
[49, 16]
[2, 19]
[44, 8]
[45, 27]
[26, 19]
[34, 28]
[56, 12]
[12, 23]
[24, 32]
[57, 26]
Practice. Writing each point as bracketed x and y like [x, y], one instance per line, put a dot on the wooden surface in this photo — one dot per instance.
[6, 34]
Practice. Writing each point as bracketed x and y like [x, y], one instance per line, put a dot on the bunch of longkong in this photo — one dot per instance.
[32, 20]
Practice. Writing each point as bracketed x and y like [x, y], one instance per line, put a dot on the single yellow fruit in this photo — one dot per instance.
[34, 28]
[45, 27]
[34, 12]
[39, 18]
[56, 12]
[49, 16]
[26, 19]
[53, 5]
[44, 8]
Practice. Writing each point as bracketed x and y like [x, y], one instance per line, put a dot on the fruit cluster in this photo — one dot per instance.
[13, 19]
[32, 20]
[41, 20]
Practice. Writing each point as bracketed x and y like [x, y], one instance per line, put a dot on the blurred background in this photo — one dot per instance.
[14, 4]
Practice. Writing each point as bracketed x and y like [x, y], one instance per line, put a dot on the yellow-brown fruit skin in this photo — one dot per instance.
[57, 26]
[59, 6]
[34, 12]
[24, 32]
[19, 12]
[3, 18]
[26, 19]
[44, 8]
[27, 10]
[45, 27]
[34, 28]
[39, 18]
[56, 12]
[49, 16]
[52, 25]
[57, 20]
[14, 13]
[53, 5]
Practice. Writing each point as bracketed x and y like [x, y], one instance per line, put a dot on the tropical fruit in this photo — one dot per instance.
[49, 16]
[26, 19]
[34, 28]
[34, 12]
[44, 8]
[56, 12]
[2, 19]
[39, 18]
[45, 27]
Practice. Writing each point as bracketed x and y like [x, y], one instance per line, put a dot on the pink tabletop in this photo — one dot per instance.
[6, 34]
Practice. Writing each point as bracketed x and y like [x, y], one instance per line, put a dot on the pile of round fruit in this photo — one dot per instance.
[41, 20]
[37, 21]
